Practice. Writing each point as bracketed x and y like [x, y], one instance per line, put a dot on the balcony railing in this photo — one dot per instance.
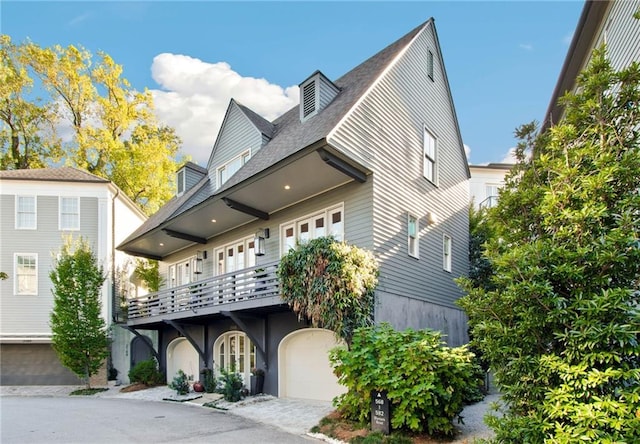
[489, 202]
[249, 283]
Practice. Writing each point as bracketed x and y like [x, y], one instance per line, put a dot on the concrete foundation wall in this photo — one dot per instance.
[404, 312]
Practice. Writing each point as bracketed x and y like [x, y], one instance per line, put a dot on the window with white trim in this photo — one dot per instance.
[413, 239]
[235, 256]
[26, 213]
[234, 351]
[229, 169]
[26, 273]
[327, 222]
[429, 157]
[69, 213]
[446, 253]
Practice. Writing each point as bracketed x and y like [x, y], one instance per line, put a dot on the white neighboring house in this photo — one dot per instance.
[40, 208]
[609, 22]
[485, 182]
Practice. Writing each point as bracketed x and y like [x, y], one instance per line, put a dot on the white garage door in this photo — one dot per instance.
[182, 356]
[304, 368]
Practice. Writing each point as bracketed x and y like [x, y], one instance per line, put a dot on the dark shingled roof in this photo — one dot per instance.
[288, 134]
[61, 174]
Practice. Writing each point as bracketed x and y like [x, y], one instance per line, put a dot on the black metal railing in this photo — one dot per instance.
[256, 282]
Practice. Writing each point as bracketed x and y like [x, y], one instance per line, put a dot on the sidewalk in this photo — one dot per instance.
[295, 416]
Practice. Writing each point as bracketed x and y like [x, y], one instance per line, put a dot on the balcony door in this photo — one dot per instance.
[230, 261]
[234, 351]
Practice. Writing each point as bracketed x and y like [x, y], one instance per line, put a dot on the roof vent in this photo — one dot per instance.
[315, 94]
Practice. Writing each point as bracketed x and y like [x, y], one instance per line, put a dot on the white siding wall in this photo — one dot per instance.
[621, 33]
[385, 132]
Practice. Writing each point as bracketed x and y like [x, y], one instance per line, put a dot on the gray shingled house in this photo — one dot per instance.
[374, 158]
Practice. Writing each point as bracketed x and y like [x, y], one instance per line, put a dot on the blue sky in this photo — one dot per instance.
[502, 58]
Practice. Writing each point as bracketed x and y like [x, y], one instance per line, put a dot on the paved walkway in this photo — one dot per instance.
[292, 415]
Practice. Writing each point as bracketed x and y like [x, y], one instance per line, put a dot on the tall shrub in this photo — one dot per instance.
[561, 327]
[79, 331]
[426, 382]
[330, 283]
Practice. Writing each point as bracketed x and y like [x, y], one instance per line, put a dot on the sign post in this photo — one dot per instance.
[380, 418]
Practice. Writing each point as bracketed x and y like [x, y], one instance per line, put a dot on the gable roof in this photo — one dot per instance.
[292, 135]
[579, 51]
[289, 137]
[61, 174]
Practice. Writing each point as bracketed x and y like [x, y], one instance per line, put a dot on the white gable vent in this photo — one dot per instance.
[315, 94]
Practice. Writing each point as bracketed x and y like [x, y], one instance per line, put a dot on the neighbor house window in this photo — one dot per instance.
[181, 182]
[26, 213]
[229, 169]
[446, 253]
[429, 149]
[327, 222]
[430, 65]
[412, 235]
[26, 273]
[69, 213]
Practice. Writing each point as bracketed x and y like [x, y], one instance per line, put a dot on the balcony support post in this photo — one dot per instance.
[144, 341]
[260, 343]
[188, 337]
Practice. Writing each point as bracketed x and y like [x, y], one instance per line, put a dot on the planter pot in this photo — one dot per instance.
[257, 384]
[198, 387]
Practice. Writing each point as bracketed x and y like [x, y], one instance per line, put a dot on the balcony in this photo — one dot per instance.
[489, 202]
[243, 289]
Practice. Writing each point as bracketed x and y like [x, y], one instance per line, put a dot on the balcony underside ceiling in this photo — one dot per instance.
[295, 179]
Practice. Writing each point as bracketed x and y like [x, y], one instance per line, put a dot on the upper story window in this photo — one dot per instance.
[229, 169]
[413, 240]
[430, 65]
[446, 253]
[181, 182]
[26, 273]
[327, 222]
[429, 153]
[26, 213]
[69, 213]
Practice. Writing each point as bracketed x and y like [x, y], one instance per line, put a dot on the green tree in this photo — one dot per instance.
[113, 131]
[561, 327]
[330, 283]
[79, 332]
[27, 138]
[148, 271]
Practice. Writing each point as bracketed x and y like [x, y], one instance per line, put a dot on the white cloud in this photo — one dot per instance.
[467, 151]
[194, 96]
[510, 156]
[526, 46]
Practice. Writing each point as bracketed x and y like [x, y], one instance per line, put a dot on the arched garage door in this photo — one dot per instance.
[182, 356]
[304, 368]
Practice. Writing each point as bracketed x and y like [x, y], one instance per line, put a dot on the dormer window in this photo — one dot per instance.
[315, 94]
[181, 182]
[229, 169]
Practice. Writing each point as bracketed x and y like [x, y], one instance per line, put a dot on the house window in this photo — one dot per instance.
[429, 152]
[229, 169]
[234, 351]
[430, 65]
[327, 222]
[26, 273]
[446, 253]
[26, 213]
[181, 182]
[412, 235]
[235, 256]
[69, 213]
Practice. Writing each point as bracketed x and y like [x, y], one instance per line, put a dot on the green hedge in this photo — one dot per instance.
[427, 383]
[146, 372]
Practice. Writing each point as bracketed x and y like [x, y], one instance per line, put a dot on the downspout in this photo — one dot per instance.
[113, 256]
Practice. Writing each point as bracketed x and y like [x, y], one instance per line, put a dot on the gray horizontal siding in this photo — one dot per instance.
[237, 135]
[30, 313]
[386, 133]
[357, 199]
[622, 33]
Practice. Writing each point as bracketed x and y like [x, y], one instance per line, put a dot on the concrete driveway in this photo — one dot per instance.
[78, 419]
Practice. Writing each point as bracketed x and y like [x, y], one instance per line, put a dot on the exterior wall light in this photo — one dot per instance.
[200, 257]
[260, 236]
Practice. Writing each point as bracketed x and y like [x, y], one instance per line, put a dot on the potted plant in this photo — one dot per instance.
[198, 387]
[257, 380]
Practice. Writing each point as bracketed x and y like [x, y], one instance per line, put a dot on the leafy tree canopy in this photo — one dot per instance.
[560, 320]
[109, 128]
[79, 331]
